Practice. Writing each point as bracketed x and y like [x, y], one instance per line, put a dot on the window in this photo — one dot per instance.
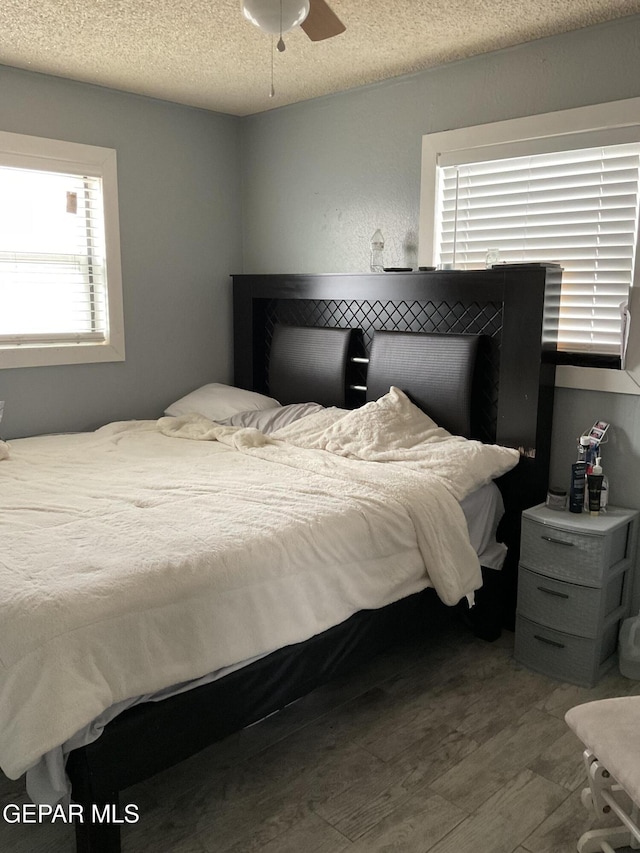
[60, 286]
[579, 208]
[562, 187]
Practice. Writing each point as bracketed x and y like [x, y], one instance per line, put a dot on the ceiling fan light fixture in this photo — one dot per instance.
[275, 16]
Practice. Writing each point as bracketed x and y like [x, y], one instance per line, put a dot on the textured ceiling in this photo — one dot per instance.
[207, 55]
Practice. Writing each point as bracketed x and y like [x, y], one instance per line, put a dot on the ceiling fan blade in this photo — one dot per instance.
[321, 22]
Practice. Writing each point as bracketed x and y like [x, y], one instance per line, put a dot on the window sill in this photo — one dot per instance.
[44, 356]
[598, 379]
[585, 359]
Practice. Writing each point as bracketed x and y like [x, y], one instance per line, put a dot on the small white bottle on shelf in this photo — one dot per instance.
[377, 249]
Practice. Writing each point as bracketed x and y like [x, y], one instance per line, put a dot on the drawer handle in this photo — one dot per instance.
[548, 641]
[553, 592]
[557, 541]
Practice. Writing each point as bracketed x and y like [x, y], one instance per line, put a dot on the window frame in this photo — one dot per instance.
[51, 155]
[608, 117]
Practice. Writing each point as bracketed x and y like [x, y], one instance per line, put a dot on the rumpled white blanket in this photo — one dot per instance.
[130, 561]
[432, 470]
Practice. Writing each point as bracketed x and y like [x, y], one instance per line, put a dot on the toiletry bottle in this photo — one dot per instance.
[577, 489]
[593, 449]
[604, 494]
[604, 490]
[377, 248]
[587, 452]
[594, 487]
[583, 447]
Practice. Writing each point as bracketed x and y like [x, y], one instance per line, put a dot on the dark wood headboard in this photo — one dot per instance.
[514, 307]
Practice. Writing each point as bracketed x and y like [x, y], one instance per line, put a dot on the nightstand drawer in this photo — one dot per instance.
[577, 660]
[565, 606]
[569, 554]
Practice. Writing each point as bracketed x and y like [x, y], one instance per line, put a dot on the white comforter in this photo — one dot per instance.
[131, 560]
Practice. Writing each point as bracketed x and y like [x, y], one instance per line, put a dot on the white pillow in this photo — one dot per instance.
[217, 402]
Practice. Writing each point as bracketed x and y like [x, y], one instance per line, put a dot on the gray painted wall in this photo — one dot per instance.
[317, 179]
[320, 177]
[179, 195]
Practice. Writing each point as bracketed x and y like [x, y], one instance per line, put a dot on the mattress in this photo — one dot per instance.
[132, 561]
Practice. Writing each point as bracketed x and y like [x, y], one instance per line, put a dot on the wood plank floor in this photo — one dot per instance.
[445, 745]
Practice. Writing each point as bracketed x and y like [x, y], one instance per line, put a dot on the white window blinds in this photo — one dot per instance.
[578, 208]
[52, 258]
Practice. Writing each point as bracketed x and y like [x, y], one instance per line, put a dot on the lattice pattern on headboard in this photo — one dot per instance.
[454, 317]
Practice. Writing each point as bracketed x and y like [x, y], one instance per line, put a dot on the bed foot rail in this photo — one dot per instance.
[604, 796]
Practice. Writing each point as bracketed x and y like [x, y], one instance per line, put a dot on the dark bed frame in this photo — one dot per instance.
[514, 309]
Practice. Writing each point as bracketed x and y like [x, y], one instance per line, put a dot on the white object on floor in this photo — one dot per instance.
[608, 728]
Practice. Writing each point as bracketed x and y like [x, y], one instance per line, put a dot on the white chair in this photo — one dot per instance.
[610, 731]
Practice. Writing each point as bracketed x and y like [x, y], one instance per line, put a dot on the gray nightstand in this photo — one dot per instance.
[574, 584]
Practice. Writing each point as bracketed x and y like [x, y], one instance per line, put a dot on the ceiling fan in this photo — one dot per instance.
[315, 17]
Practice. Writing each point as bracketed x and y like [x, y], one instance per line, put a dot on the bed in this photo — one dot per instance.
[373, 520]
